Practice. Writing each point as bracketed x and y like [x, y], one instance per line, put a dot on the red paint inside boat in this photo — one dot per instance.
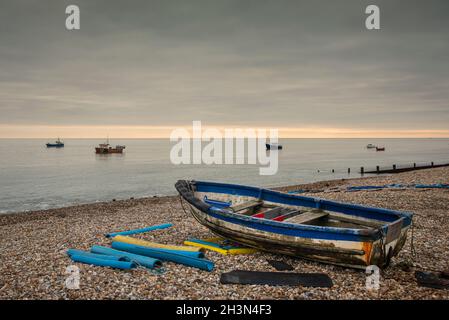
[261, 215]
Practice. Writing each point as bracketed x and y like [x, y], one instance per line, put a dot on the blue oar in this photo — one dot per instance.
[103, 262]
[144, 261]
[165, 255]
[135, 231]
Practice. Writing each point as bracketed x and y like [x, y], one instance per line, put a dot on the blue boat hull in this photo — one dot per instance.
[350, 247]
[53, 145]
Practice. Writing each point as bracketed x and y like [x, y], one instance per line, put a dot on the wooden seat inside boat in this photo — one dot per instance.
[246, 205]
[357, 221]
[307, 217]
[276, 213]
[338, 220]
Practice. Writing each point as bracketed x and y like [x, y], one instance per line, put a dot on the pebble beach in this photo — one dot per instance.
[33, 246]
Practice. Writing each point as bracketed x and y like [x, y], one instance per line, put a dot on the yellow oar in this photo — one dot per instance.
[150, 244]
[213, 244]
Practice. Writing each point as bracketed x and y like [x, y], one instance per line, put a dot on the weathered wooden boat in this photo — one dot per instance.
[380, 148]
[327, 231]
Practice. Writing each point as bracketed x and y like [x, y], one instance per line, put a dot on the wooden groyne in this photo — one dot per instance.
[395, 169]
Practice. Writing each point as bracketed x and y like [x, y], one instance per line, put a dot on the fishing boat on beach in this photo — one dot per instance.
[57, 144]
[380, 148]
[321, 230]
[370, 146]
[105, 148]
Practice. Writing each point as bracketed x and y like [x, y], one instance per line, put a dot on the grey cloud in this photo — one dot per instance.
[284, 63]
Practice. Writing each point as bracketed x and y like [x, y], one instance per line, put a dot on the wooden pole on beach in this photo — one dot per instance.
[414, 165]
[431, 164]
[362, 170]
[349, 170]
[394, 167]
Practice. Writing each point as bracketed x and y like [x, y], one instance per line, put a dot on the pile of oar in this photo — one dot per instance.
[400, 186]
[128, 253]
[393, 186]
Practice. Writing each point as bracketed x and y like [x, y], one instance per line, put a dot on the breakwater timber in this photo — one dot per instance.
[402, 168]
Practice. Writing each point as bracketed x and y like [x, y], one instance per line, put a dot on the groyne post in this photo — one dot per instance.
[396, 169]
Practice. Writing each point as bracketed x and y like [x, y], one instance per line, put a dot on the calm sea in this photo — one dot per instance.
[33, 177]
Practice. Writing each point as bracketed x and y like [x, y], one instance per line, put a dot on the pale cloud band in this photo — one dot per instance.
[308, 67]
[163, 132]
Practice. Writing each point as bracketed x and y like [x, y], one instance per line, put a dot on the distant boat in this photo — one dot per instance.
[380, 148]
[105, 148]
[370, 146]
[273, 146]
[58, 144]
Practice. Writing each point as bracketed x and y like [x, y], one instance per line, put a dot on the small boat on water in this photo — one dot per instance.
[57, 144]
[105, 148]
[273, 146]
[380, 148]
[370, 146]
[322, 230]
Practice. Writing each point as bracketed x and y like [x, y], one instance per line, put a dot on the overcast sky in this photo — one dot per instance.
[294, 64]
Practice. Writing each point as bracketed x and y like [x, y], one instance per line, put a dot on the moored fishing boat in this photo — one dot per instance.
[311, 228]
[273, 146]
[105, 148]
[370, 146]
[58, 144]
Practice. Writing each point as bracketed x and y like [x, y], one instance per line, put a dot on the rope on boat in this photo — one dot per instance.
[182, 204]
